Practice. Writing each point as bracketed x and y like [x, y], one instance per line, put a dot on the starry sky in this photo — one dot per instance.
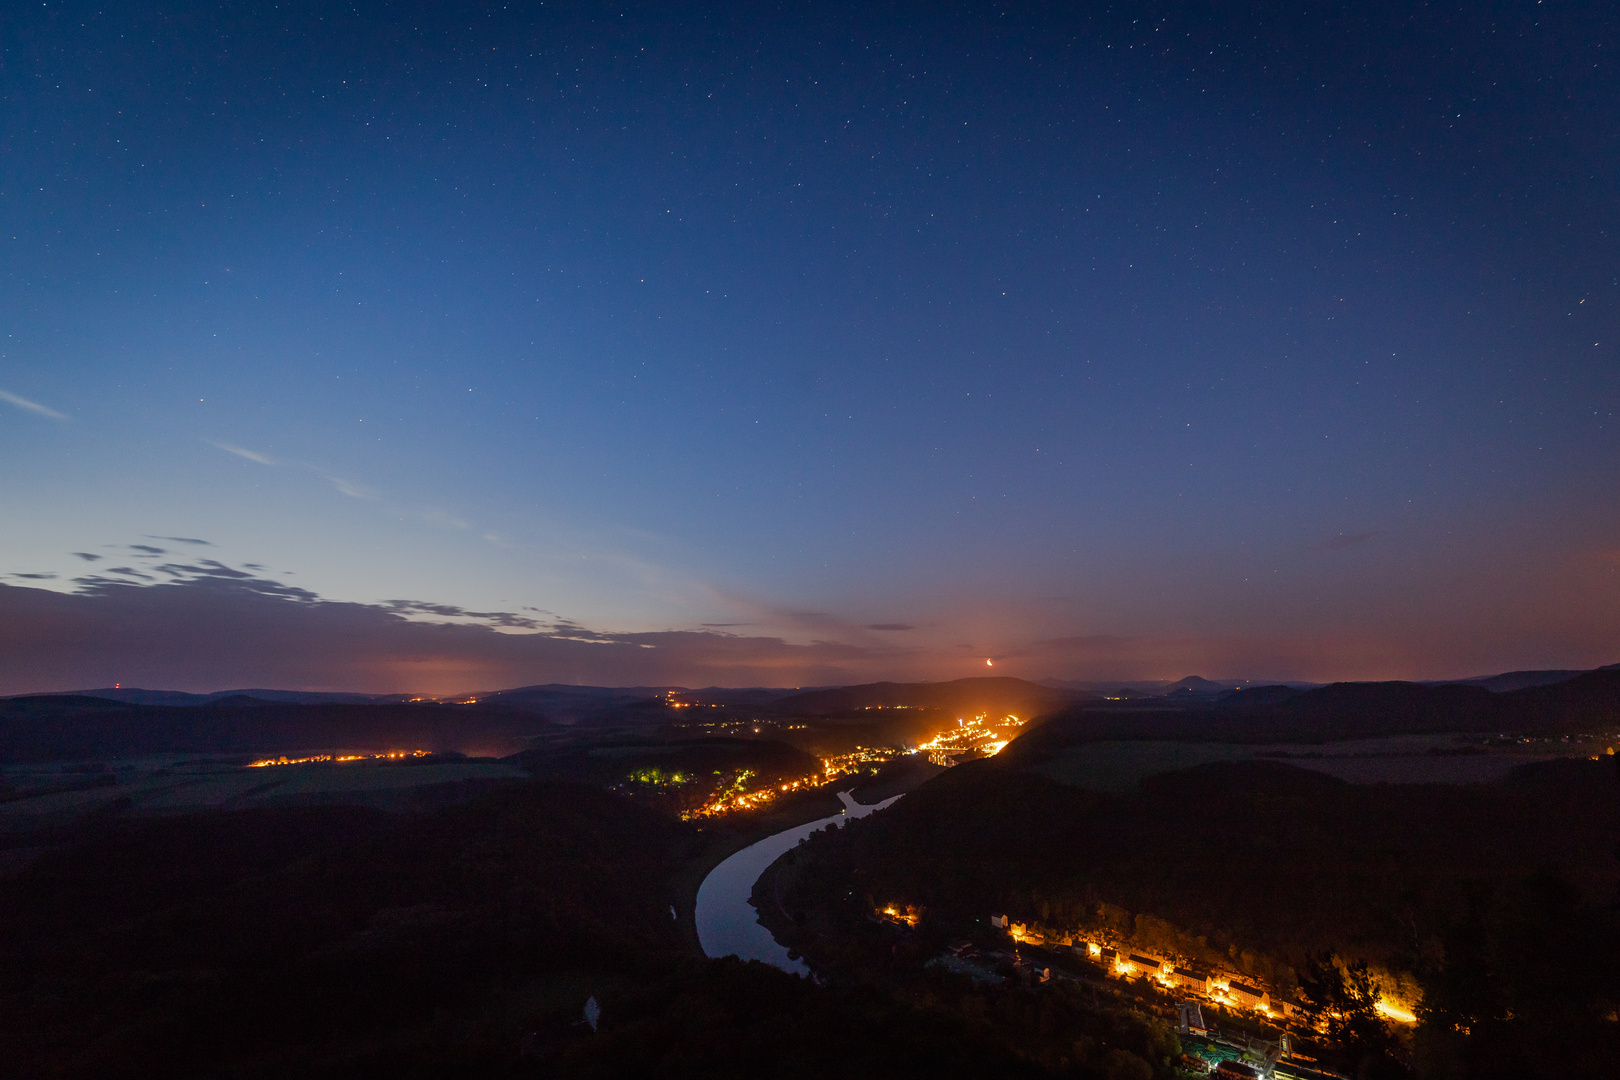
[440, 347]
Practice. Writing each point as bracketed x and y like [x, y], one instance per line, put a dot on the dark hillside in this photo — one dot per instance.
[1519, 680]
[569, 704]
[1259, 855]
[1588, 704]
[1361, 710]
[1497, 899]
[346, 943]
[265, 942]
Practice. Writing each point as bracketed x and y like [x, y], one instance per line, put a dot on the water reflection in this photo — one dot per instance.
[727, 923]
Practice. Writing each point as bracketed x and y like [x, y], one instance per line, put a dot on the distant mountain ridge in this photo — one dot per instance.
[573, 697]
[1586, 704]
[136, 696]
[121, 722]
[994, 692]
[1521, 680]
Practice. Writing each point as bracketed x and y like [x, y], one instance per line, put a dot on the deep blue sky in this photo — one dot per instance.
[1154, 339]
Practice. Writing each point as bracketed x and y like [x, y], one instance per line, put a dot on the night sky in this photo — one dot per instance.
[440, 347]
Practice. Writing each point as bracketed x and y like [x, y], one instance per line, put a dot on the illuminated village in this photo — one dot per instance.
[972, 737]
[1038, 953]
[392, 755]
[978, 736]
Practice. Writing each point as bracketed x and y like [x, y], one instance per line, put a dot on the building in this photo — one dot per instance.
[1290, 1010]
[1134, 965]
[1194, 979]
[999, 922]
[1247, 996]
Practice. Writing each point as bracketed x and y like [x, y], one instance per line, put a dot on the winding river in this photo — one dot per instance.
[727, 923]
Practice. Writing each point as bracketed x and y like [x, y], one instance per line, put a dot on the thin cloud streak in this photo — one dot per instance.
[353, 491]
[342, 485]
[30, 406]
[242, 452]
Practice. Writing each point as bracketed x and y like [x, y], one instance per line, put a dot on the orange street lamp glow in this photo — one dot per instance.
[1395, 1012]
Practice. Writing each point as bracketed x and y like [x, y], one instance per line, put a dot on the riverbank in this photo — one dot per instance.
[724, 837]
[728, 923]
[766, 895]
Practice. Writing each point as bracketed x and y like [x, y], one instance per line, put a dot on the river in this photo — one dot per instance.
[727, 923]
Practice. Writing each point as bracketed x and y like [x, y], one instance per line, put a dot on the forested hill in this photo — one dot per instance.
[329, 941]
[1498, 898]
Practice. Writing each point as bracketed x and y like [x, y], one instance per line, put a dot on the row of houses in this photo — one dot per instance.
[1221, 987]
[1224, 988]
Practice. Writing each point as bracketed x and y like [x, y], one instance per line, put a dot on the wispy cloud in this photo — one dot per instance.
[181, 540]
[242, 452]
[353, 491]
[30, 406]
[346, 487]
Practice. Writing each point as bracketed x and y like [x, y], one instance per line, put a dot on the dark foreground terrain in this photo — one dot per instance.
[351, 942]
[329, 940]
[170, 911]
[1495, 903]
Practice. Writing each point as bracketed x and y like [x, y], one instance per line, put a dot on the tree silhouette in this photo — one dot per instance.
[1347, 994]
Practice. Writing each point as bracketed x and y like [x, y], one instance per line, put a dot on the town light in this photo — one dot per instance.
[1398, 1013]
